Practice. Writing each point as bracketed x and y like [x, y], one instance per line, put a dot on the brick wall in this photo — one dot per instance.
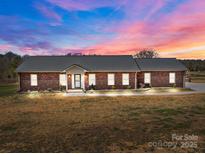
[45, 81]
[161, 79]
[102, 82]
[51, 80]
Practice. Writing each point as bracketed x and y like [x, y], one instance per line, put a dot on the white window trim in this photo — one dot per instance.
[111, 79]
[125, 78]
[34, 79]
[172, 77]
[147, 78]
[62, 79]
[92, 79]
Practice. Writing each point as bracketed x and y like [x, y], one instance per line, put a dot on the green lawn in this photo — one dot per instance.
[55, 123]
[8, 89]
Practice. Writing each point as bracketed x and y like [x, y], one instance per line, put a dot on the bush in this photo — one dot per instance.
[92, 87]
[113, 87]
[147, 85]
[49, 89]
[142, 85]
[62, 88]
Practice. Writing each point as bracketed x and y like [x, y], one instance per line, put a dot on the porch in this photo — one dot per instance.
[75, 79]
[80, 79]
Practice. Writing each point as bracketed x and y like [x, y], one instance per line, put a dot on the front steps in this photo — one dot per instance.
[75, 91]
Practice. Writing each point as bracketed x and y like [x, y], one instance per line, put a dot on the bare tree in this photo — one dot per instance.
[146, 53]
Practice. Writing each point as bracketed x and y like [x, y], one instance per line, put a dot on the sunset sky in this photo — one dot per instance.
[175, 28]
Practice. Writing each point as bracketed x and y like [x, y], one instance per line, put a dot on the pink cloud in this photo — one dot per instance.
[5, 47]
[48, 12]
[70, 5]
[83, 4]
[158, 4]
[183, 28]
[33, 51]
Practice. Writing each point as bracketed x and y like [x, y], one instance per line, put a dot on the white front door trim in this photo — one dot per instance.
[82, 81]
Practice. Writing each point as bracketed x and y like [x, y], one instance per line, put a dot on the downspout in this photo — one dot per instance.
[184, 78]
[135, 80]
[19, 82]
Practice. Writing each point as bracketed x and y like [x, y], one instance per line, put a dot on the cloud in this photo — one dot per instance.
[5, 47]
[184, 51]
[48, 12]
[158, 4]
[171, 32]
[174, 28]
[83, 5]
[26, 36]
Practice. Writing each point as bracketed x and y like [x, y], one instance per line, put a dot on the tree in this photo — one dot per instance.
[9, 62]
[146, 53]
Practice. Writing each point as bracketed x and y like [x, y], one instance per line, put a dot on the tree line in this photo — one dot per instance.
[191, 64]
[10, 61]
[194, 65]
[8, 64]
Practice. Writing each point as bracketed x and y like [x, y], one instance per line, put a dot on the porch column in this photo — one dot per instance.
[135, 80]
[66, 81]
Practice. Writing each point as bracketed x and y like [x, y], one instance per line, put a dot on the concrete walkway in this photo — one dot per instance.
[133, 94]
[197, 87]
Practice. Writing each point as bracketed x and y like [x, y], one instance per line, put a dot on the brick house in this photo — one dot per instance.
[98, 72]
[161, 72]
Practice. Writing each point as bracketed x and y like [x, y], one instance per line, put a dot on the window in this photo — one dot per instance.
[34, 80]
[91, 79]
[125, 79]
[171, 77]
[111, 79]
[147, 78]
[62, 79]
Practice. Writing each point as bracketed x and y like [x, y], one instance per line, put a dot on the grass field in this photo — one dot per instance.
[198, 77]
[52, 123]
[8, 89]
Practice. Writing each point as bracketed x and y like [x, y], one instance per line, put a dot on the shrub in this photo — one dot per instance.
[62, 88]
[49, 89]
[147, 85]
[92, 87]
[142, 85]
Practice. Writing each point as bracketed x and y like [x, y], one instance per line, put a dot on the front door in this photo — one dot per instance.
[77, 81]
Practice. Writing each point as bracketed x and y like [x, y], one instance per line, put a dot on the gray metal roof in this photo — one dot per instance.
[90, 63]
[160, 64]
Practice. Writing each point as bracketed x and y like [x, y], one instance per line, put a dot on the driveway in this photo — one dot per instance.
[196, 86]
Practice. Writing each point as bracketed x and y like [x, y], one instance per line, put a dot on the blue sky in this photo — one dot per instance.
[175, 28]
